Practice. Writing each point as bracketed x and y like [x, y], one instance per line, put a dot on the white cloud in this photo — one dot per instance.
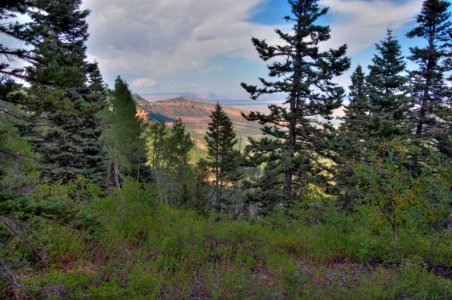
[361, 24]
[143, 82]
[176, 40]
[168, 36]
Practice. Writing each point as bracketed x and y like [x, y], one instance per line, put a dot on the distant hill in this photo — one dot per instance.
[195, 115]
[207, 97]
[138, 98]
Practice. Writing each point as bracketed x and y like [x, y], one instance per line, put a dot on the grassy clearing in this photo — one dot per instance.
[144, 250]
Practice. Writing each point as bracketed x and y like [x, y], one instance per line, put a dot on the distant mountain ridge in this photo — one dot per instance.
[260, 105]
[204, 97]
[196, 115]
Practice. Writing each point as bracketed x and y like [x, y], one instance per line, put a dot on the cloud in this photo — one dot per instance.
[143, 82]
[204, 38]
[161, 37]
[177, 41]
[361, 24]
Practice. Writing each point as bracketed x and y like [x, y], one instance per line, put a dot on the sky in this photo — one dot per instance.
[204, 46]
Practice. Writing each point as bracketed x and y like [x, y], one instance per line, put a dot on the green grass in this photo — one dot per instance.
[144, 250]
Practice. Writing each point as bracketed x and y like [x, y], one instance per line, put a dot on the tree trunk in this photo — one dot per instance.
[426, 99]
[424, 110]
[288, 172]
[220, 194]
[116, 175]
[217, 181]
[108, 172]
[294, 99]
[396, 239]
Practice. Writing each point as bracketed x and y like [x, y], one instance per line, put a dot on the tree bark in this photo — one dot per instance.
[217, 180]
[116, 175]
[396, 238]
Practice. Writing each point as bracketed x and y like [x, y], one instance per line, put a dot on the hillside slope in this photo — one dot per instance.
[142, 249]
[195, 115]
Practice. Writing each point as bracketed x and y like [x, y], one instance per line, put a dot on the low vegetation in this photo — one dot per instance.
[140, 249]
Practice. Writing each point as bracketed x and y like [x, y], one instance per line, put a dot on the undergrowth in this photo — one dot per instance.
[141, 249]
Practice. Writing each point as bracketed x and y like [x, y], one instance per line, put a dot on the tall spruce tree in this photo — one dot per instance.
[221, 139]
[386, 85]
[350, 140]
[430, 93]
[12, 56]
[298, 129]
[9, 26]
[59, 85]
[356, 117]
[94, 150]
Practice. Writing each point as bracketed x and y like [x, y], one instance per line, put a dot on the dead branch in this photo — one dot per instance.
[12, 278]
[14, 228]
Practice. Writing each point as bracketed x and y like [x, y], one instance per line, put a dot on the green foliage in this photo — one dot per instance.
[168, 157]
[63, 236]
[429, 90]
[10, 26]
[386, 183]
[200, 200]
[413, 283]
[356, 117]
[146, 249]
[16, 156]
[122, 133]
[305, 74]
[386, 86]
[61, 96]
[221, 139]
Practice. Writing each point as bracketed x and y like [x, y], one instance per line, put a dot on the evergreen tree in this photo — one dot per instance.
[304, 74]
[221, 139]
[61, 91]
[94, 150]
[430, 94]
[352, 135]
[122, 132]
[356, 117]
[386, 86]
[201, 189]
[11, 28]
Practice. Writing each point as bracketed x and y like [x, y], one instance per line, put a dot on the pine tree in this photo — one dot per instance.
[221, 139]
[430, 94]
[61, 92]
[122, 132]
[386, 87]
[10, 27]
[304, 74]
[200, 198]
[351, 138]
[356, 117]
[94, 150]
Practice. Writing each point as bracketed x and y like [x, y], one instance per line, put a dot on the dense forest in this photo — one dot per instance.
[96, 203]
